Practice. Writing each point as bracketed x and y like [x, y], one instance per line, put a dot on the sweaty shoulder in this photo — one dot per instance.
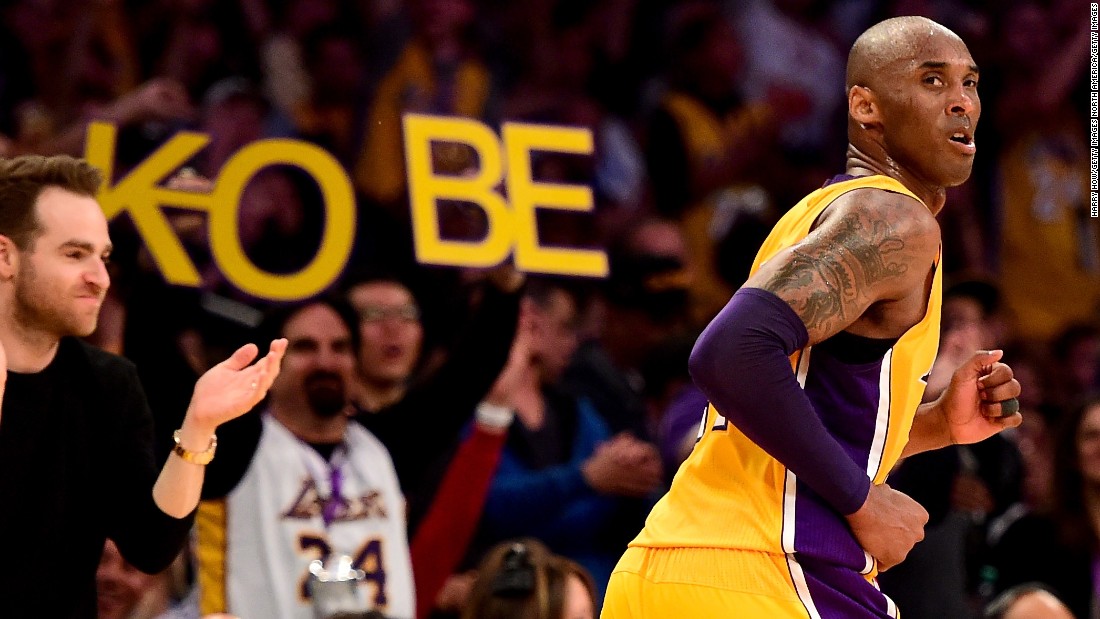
[869, 246]
[905, 216]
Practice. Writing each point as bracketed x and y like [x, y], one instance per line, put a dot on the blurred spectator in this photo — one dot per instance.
[969, 322]
[119, 585]
[419, 420]
[524, 580]
[963, 487]
[16, 78]
[391, 338]
[643, 302]
[440, 73]
[330, 115]
[124, 592]
[1074, 362]
[563, 476]
[1050, 247]
[1057, 547]
[158, 101]
[233, 113]
[707, 151]
[442, 539]
[322, 370]
[287, 82]
[802, 68]
[308, 483]
[558, 82]
[79, 61]
[196, 42]
[280, 210]
[553, 87]
[674, 400]
[1027, 601]
[703, 137]
[1034, 439]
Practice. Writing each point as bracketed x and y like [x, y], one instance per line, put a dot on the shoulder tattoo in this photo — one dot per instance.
[821, 279]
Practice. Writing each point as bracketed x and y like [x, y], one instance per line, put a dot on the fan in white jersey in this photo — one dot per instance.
[316, 485]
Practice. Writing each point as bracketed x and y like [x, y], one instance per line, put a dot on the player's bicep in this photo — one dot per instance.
[862, 254]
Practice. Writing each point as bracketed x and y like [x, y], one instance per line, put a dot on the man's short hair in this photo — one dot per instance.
[22, 180]
[276, 318]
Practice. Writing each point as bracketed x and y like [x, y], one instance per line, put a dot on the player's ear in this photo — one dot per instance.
[9, 258]
[863, 107]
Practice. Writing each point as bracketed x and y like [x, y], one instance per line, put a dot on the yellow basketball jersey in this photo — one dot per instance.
[1050, 252]
[729, 493]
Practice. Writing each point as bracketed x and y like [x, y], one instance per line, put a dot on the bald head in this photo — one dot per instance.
[1027, 601]
[1038, 605]
[913, 104]
[888, 42]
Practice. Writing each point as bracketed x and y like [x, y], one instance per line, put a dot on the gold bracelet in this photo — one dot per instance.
[195, 457]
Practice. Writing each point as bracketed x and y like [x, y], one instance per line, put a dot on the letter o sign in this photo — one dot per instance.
[337, 235]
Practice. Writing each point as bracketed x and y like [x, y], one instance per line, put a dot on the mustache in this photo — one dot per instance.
[326, 392]
[94, 290]
[322, 375]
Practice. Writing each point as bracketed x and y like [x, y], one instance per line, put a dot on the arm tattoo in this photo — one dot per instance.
[818, 283]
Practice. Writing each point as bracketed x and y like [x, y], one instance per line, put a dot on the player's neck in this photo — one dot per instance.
[29, 349]
[861, 163]
[309, 427]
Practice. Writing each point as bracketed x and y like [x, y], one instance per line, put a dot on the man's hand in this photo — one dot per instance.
[456, 591]
[518, 367]
[230, 389]
[160, 98]
[970, 405]
[505, 277]
[623, 466]
[888, 525]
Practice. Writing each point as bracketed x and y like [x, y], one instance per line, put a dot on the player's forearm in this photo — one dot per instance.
[179, 485]
[929, 430]
[741, 363]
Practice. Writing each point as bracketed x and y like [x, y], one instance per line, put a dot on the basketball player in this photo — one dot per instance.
[76, 437]
[814, 370]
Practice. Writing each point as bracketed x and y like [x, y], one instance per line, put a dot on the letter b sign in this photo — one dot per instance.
[510, 225]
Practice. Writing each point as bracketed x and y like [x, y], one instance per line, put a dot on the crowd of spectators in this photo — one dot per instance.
[710, 118]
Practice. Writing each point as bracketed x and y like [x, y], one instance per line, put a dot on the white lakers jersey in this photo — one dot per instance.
[256, 544]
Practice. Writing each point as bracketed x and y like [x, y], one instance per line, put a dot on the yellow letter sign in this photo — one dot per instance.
[139, 194]
[509, 227]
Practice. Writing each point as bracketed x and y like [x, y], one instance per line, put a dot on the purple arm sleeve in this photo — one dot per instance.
[741, 362]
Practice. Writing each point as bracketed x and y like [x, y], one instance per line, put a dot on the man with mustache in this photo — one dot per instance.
[317, 485]
[76, 433]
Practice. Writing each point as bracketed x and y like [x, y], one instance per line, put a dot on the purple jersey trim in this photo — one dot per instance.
[840, 593]
[839, 178]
